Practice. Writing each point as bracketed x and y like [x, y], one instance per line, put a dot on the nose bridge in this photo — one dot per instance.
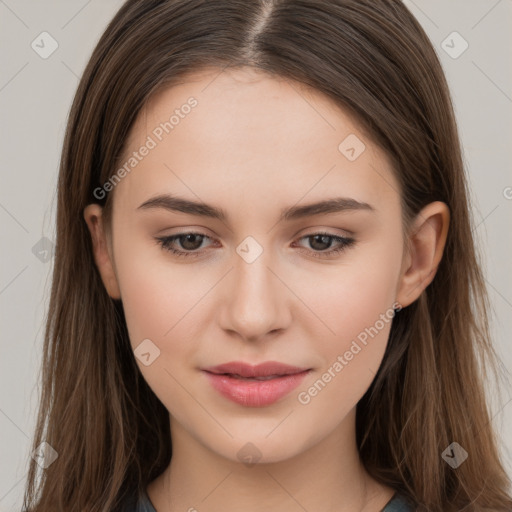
[255, 301]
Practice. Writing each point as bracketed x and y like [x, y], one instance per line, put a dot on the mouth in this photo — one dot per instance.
[269, 369]
[255, 386]
[254, 379]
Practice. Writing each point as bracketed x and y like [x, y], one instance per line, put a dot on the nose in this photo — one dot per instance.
[255, 302]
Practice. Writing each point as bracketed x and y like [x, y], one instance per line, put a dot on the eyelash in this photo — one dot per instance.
[166, 241]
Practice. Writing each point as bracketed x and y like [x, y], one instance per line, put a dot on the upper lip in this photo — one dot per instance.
[260, 370]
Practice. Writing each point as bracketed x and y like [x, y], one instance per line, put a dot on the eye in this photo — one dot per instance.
[322, 241]
[190, 242]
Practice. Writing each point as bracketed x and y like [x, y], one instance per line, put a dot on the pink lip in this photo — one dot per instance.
[255, 393]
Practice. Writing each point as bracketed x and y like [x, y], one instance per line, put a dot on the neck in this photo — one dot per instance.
[329, 476]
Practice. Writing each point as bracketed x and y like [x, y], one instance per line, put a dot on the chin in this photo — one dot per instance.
[257, 450]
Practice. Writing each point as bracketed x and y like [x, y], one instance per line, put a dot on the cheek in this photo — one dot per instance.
[150, 302]
[163, 303]
[360, 313]
[352, 296]
[159, 298]
[353, 306]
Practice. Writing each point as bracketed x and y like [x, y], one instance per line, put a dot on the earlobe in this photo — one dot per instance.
[102, 256]
[427, 241]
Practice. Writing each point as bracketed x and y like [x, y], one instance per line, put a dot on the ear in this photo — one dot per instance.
[101, 249]
[427, 240]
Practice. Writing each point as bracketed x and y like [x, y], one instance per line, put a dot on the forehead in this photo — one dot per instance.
[242, 132]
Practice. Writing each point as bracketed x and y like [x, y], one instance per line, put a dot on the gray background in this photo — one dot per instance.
[35, 96]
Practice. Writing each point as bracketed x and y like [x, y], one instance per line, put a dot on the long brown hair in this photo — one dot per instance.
[373, 59]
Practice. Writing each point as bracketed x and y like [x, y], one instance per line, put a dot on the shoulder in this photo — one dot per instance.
[399, 503]
[140, 503]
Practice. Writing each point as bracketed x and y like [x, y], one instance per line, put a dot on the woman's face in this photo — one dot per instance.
[255, 285]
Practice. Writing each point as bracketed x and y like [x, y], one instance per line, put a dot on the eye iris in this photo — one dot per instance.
[323, 241]
[188, 238]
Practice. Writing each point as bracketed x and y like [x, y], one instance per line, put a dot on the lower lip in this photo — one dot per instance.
[255, 393]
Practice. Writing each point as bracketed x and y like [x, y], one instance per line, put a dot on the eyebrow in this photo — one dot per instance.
[179, 204]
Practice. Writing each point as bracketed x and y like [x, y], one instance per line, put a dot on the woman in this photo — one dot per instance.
[266, 292]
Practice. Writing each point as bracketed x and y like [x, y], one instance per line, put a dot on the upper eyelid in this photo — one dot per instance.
[314, 231]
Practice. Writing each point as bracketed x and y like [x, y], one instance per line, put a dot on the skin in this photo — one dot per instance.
[254, 145]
